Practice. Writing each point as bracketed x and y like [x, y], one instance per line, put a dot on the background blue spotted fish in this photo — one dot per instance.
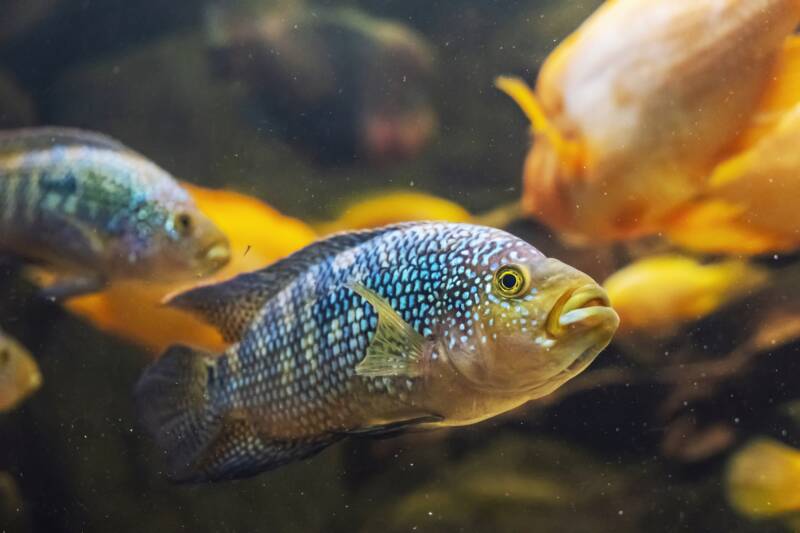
[363, 333]
[91, 210]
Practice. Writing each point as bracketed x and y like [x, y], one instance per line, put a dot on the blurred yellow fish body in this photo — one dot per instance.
[763, 479]
[19, 373]
[133, 310]
[660, 293]
[396, 207]
[630, 115]
[750, 205]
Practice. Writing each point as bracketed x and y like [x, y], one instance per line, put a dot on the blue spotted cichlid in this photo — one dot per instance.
[91, 210]
[416, 325]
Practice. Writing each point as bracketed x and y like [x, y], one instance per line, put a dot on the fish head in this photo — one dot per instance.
[536, 323]
[175, 241]
[195, 246]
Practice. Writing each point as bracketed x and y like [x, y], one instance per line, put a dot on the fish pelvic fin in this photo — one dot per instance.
[175, 403]
[231, 306]
[526, 99]
[396, 348]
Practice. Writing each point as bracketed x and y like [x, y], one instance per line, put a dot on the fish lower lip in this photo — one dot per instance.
[216, 256]
[584, 305]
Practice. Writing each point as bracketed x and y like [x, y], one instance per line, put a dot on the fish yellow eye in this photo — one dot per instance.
[510, 281]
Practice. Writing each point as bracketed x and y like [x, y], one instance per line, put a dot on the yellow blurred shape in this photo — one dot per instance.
[19, 373]
[759, 189]
[258, 234]
[660, 293]
[763, 479]
[390, 208]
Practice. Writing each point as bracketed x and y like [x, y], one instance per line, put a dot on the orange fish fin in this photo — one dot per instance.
[716, 226]
[781, 94]
[526, 99]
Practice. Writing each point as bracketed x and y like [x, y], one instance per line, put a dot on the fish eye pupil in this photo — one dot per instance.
[508, 280]
[183, 223]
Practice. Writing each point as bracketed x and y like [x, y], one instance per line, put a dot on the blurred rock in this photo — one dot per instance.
[16, 107]
[20, 15]
[297, 66]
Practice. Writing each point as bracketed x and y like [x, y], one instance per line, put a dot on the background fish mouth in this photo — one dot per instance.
[214, 257]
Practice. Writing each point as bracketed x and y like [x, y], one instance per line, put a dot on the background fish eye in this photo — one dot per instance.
[181, 224]
[511, 281]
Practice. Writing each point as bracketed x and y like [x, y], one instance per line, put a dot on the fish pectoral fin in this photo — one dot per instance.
[392, 428]
[396, 348]
[66, 287]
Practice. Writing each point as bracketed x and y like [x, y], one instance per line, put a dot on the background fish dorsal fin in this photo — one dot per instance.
[231, 306]
[25, 139]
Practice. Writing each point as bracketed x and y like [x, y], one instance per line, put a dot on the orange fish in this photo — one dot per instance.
[393, 207]
[658, 294]
[750, 204]
[258, 236]
[762, 480]
[633, 112]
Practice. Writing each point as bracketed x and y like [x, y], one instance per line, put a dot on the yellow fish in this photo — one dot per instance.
[393, 207]
[258, 236]
[762, 481]
[750, 204]
[19, 373]
[632, 112]
[658, 294]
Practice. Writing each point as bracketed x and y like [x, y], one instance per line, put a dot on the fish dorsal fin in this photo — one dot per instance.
[231, 306]
[25, 139]
[396, 348]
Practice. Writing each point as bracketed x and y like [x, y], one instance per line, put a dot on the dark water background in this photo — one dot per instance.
[593, 461]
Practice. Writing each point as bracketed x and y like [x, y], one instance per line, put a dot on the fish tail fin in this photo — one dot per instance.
[175, 402]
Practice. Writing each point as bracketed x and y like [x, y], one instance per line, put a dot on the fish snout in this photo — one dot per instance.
[215, 256]
[587, 307]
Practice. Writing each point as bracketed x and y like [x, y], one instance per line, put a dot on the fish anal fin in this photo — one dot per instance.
[396, 348]
[226, 458]
[393, 428]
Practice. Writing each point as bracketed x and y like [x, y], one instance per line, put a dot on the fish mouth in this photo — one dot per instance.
[214, 257]
[587, 306]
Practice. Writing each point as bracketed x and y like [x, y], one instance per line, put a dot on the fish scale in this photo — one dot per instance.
[352, 335]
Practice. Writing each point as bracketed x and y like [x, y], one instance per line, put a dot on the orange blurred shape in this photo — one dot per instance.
[659, 294]
[393, 207]
[750, 204]
[258, 234]
[635, 109]
[762, 479]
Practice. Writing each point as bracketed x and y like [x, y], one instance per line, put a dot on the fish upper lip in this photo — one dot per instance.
[572, 307]
[217, 255]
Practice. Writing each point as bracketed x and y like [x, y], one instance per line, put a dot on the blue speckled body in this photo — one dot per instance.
[293, 383]
[294, 370]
